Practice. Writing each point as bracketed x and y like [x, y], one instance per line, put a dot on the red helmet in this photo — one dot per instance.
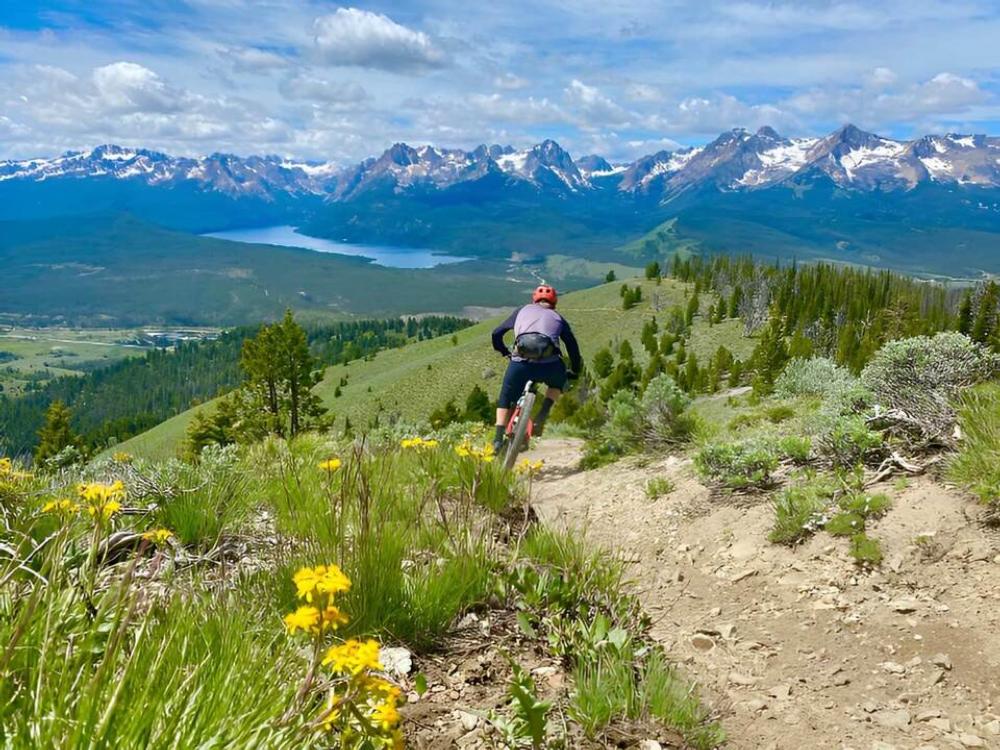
[545, 293]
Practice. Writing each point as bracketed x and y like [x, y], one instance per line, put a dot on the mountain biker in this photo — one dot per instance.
[538, 330]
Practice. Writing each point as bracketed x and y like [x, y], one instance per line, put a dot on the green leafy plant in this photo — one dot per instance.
[738, 465]
[866, 551]
[658, 487]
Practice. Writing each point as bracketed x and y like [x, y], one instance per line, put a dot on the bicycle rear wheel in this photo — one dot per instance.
[520, 436]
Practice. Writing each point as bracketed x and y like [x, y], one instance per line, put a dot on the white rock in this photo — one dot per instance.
[469, 721]
[971, 740]
[892, 719]
[396, 660]
[893, 667]
[941, 660]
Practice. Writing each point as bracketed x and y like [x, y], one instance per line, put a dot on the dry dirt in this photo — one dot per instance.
[797, 648]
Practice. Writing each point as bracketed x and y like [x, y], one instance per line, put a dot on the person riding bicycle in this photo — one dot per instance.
[538, 331]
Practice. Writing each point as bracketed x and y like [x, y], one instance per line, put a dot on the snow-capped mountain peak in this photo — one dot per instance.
[738, 159]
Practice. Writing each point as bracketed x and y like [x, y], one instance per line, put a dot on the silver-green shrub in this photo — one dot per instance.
[915, 380]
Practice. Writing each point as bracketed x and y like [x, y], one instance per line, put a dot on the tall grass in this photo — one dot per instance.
[411, 528]
[115, 669]
[977, 463]
[618, 684]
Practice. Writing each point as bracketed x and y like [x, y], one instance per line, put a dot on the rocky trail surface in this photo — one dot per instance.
[797, 648]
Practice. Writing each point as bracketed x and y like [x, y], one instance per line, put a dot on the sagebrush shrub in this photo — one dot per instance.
[820, 377]
[741, 464]
[920, 376]
[847, 441]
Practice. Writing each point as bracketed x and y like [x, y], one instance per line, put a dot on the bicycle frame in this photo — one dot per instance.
[515, 414]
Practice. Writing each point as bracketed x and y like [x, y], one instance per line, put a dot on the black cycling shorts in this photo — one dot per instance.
[553, 374]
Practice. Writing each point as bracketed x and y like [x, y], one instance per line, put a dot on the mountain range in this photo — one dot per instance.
[929, 205]
[737, 160]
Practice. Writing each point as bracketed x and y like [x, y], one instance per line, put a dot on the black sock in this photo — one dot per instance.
[543, 413]
[501, 429]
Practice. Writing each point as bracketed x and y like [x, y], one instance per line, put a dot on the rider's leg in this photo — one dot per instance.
[551, 396]
[514, 380]
[503, 414]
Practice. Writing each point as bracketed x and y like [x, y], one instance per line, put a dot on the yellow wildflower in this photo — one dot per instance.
[463, 450]
[323, 579]
[353, 657]
[304, 618]
[158, 537]
[65, 507]
[122, 457]
[529, 467]
[105, 511]
[102, 500]
[332, 713]
[417, 442]
[333, 618]
[331, 464]
[385, 715]
[8, 472]
[379, 686]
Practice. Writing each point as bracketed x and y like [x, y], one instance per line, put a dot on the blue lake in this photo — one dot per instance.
[287, 236]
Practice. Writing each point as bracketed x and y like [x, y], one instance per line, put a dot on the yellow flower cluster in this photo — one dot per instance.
[320, 582]
[361, 705]
[331, 464]
[9, 474]
[310, 619]
[102, 501]
[526, 466]
[418, 442]
[467, 450]
[159, 537]
[62, 507]
[122, 457]
[353, 657]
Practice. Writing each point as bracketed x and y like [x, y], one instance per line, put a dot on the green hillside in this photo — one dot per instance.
[413, 380]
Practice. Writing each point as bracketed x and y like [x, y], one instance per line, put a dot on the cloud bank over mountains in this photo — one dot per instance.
[311, 80]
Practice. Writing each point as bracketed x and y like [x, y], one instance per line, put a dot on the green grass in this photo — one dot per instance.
[411, 381]
[615, 686]
[46, 353]
[866, 551]
[658, 487]
[136, 273]
[977, 463]
[796, 510]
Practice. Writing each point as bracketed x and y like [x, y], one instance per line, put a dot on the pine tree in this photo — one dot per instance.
[478, 407]
[56, 434]
[965, 314]
[769, 357]
[610, 277]
[648, 337]
[653, 270]
[985, 322]
[692, 308]
[604, 362]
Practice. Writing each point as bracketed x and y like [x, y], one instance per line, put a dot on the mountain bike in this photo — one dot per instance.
[519, 426]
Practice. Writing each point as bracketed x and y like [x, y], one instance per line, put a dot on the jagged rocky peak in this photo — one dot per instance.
[593, 163]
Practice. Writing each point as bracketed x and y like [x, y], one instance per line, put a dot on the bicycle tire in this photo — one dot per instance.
[520, 432]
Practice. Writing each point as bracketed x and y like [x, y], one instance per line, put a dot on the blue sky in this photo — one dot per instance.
[318, 80]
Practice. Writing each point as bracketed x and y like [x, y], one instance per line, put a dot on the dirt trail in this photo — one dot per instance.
[795, 648]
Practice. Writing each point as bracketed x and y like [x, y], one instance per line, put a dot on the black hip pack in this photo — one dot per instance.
[531, 346]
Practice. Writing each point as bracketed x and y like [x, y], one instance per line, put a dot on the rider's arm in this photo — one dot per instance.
[500, 330]
[572, 348]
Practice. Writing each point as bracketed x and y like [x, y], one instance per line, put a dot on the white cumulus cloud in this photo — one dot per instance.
[311, 88]
[351, 36]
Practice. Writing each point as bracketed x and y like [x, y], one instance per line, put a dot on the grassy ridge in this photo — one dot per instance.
[420, 377]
